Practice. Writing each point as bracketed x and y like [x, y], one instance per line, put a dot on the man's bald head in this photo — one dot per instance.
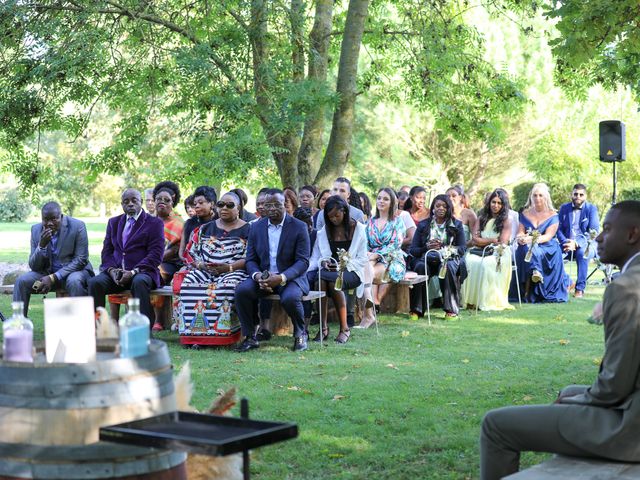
[51, 216]
[619, 239]
[131, 201]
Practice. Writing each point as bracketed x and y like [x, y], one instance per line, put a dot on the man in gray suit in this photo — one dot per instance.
[601, 420]
[59, 257]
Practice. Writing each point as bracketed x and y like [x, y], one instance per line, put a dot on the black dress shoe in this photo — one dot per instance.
[300, 344]
[247, 344]
[263, 335]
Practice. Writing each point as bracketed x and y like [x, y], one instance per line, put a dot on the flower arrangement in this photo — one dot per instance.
[446, 253]
[535, 236]
[498, 251]
[343, 260]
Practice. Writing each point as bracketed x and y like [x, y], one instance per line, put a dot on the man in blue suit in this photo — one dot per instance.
[577, 219]
[277, 261]
[59, 257]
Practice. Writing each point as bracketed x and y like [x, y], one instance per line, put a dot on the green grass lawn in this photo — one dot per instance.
[15, 246]
[406, 404]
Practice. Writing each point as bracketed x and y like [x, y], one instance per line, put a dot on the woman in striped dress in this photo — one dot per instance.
[215, 256]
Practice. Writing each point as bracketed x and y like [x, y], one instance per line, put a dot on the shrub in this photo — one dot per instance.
[629, 194]
[521, 195]
[13, 208]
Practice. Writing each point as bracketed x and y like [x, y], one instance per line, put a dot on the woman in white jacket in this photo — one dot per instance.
[340, 232]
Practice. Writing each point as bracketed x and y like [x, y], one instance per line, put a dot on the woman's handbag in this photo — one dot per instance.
[478, 251]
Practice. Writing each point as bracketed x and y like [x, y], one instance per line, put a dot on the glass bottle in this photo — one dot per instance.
[17, 340]
[134, 331]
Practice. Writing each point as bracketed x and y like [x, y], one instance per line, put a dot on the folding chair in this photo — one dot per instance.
[484, 252]
[514, 268]
[426, 284]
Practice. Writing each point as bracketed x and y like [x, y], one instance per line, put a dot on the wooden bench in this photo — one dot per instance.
[279, 319]
[8, 290]
[569, 468]
[165, 312]
[279, 323]
[397, 298]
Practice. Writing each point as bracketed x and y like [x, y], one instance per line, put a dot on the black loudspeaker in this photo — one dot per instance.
[612, 141]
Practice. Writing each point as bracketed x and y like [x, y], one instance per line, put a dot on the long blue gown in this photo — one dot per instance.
[547, 259]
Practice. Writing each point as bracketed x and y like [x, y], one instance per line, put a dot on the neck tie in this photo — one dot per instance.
[127, 230]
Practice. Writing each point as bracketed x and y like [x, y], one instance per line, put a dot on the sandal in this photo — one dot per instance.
[343, 336]
[325, 335]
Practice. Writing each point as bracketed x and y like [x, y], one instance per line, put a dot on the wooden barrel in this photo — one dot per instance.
[51, 413]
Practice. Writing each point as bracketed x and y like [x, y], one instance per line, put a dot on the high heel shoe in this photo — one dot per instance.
[343, 336]
[368, 296]
[366, 322]
[325, 334]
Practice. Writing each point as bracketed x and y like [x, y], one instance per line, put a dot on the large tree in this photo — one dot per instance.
[239, 80]
[598, 42]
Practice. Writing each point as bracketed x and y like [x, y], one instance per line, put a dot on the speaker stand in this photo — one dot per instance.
[615, 181]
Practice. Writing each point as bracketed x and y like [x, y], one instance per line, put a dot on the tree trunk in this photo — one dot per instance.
[480, 171]
[339, 148]
[310, 154]
[284, 145]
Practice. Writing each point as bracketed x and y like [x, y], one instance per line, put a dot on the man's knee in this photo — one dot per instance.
[141, 282]
[94, 286]
[76, 284]
[26, 280]
[289, 299]
[246, 290]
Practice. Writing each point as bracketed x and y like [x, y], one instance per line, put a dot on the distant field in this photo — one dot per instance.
[15, 243]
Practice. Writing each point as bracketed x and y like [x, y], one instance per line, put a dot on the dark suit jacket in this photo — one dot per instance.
[144, 247]
[605, 418]
[293, 250]
[455, 232]
[588, 221]
[73, 248]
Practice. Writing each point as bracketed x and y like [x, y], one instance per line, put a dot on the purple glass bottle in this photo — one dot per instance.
[17, 336]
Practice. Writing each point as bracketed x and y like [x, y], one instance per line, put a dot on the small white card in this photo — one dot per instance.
[70, 329]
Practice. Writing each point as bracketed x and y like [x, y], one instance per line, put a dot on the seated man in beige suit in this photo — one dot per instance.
[601, 420]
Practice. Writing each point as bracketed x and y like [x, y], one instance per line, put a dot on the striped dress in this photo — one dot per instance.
[204, 308]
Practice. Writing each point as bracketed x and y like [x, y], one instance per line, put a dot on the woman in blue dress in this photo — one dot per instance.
[539, 255]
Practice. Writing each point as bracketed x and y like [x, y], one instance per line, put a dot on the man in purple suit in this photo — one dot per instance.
[131, 253]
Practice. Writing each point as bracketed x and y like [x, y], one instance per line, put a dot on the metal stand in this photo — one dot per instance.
[244, 413]
[615, 181]
[426, 269]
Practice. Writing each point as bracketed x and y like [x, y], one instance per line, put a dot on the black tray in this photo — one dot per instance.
[198, 433]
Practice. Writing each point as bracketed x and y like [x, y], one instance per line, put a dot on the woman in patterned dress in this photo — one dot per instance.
[215, 256]
[385, 232]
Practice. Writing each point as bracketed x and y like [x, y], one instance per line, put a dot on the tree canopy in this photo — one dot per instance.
[241, 82]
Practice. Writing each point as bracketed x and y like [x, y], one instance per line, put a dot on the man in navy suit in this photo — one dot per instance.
[277, 261]
[59, 257]
[577, 219]
[131, 253]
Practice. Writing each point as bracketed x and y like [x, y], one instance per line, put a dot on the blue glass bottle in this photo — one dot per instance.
[134, 331]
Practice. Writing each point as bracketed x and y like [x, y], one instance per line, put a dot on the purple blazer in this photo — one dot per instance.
[144, 248]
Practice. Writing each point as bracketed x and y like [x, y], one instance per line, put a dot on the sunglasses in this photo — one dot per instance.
[226, 204]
